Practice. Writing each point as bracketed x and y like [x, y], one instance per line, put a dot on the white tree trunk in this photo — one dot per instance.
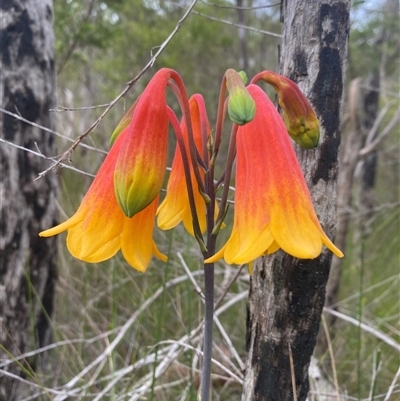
[27, 263]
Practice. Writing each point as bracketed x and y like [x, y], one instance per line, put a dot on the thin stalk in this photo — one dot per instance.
[180, 92]
[208, 298]
[220, 117]
[207, 187]
[208, 331]
[189, 185]
[205, 384]
[228, 171]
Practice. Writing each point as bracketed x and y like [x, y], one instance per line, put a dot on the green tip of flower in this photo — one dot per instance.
[306, 141]
[126, 119]
[241, 107]
[305, 132]
[129, 199]
[243, 75]
[116, 133]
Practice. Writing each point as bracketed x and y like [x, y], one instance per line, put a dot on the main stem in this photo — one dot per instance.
[208, 331]
[208, 293]
[205, 386]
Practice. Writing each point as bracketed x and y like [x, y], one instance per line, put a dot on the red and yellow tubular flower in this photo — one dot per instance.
[298, 114]
[142, 160]
[273, 207]
[99, 228]
[175, 208]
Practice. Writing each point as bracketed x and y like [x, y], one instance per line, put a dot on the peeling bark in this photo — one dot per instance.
[287, 294]
[27, 263]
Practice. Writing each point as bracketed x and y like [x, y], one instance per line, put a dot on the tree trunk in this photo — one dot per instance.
[27, 263]
[352, 142]
[364, 97]
[287, 294]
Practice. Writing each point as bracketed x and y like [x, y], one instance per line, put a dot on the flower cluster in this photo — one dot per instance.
[272, 204]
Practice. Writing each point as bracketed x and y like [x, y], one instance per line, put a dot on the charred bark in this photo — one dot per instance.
[287, 294]
[363, 105]
[27, 263]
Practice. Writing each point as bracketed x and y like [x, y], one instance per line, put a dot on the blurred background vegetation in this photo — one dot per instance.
[101, 45]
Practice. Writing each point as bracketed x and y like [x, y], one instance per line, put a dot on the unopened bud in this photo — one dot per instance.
[299, 116]
[241, 106]
[303, 130]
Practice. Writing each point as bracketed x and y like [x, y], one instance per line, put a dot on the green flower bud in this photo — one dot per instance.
[299, 116]
[241, 106]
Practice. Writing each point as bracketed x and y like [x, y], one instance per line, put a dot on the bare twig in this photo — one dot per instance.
[216, 320]
[392, 385]
[222, 21]
[49, 347]
[41, 155]
[104, 355]
[293, 377]
[62, 108]
[18, 117]
[241, 8]
[332, 356]
[129, 85]
[374, 129]
[215, 362]
[378, 334]
[375, 143]
[227, 288]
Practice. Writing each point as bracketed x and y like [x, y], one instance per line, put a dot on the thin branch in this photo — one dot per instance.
[374, 129]
[241, 8]
[62, 108]
[392, 385]
[22, 380]
[332, 356]
[375, 143]
[49, 347]
[129, 85]
[41, 155]
[292, 374]
[227, 288]
[378, 334]
[215, 362]
[18, 117]
[216, 320]
[248, 28]
[104, 355]
[382, 91]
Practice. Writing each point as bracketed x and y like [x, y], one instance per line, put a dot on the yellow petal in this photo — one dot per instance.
[136, 239]
[62, 227]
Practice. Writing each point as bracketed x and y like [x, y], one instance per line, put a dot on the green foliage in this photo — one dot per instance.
[374, 39]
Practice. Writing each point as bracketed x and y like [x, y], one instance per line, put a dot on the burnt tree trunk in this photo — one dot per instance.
[27, 263]
[287, 294]
[363, 107]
